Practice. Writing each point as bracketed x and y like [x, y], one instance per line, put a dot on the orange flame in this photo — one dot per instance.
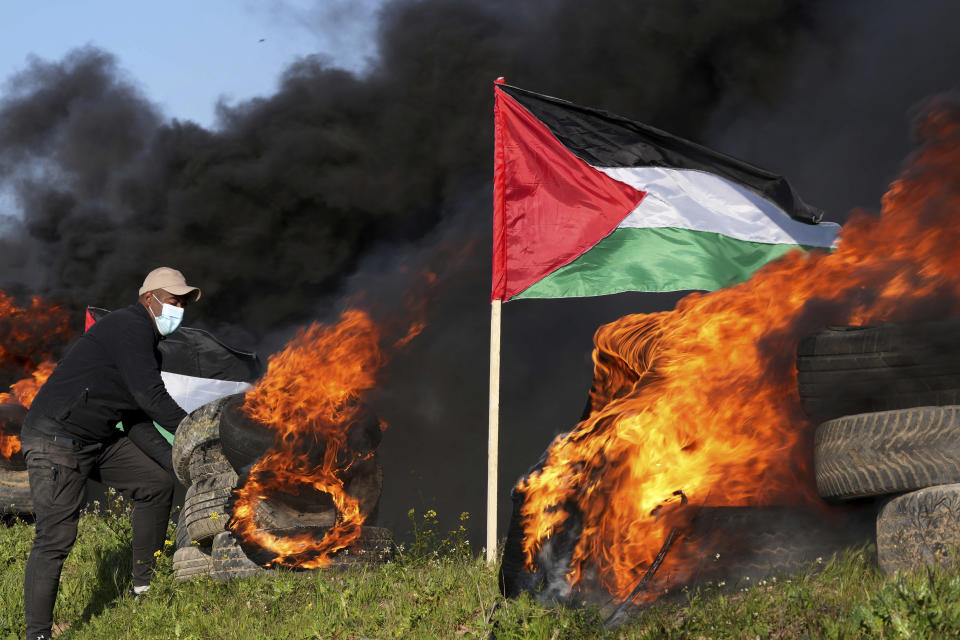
[704, 399]
[28, 335]
[309, 394]
[24, 391]
[9, 445]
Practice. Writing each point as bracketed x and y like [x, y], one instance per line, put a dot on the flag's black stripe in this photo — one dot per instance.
[604, 139]
[198, 353]
[194, 352]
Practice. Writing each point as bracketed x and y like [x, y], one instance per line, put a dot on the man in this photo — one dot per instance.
[111, 374]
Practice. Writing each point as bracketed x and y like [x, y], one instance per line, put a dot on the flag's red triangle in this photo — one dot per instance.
[88, 320]
[549, 206]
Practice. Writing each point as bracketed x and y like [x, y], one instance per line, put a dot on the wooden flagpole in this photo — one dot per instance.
[493, 433]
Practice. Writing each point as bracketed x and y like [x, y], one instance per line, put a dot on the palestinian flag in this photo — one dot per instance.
[196, 367]
[587, 203]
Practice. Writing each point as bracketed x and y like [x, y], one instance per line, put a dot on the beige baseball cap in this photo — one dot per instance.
[169, 280]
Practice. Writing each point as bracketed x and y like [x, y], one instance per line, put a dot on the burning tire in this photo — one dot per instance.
[919, 528]
[231, 561]
[11, 419]
[245, 441]
[15, 493]
[205, 512]
[200, 427]
[746, 543]
[887, 452]
[730, 544]
[14, 482]
[513, 577]
[190, 562]
[849, 370]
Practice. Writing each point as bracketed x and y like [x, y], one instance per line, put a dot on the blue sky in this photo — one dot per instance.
[186, 55]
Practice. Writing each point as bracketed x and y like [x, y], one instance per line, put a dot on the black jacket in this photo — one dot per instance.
[111, 374]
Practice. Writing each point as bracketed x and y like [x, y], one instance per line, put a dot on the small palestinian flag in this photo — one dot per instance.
[587, 203]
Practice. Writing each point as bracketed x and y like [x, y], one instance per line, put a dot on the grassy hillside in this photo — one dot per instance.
[437, 589]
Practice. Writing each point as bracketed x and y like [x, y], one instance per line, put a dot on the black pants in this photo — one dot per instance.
[58, 478]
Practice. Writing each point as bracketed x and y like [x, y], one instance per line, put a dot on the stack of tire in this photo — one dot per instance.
[200, 465]
[14, 485]
[887, 398]
[217, 442]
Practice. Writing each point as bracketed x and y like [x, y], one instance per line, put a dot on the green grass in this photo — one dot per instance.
[436, 589]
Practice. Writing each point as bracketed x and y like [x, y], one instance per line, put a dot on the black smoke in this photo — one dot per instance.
[346, 186]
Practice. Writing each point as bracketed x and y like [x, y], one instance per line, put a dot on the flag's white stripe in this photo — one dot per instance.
[192, 393]
[701, 201]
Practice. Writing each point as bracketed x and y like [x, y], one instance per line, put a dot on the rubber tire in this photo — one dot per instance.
[245, 440]
[180, 537]
[849, 370]
[735, 545]
[919, 528]
[16, 462]
[281, 511]
[15, 492]
[887, 452]
[229, 561]
[762, 542]
[205, 512]
[364, 482]
[11, 419]
[512, 577]
[208, 460]
[375, 545]
[199, 427]
[191, 562]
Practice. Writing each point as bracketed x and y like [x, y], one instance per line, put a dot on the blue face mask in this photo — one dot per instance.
[169, 319]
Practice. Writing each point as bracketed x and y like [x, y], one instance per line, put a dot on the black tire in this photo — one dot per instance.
[761, 542]
[736, 546]
[849, 370]
[191, 562]
[198, 428]
[312, 508]
[181, 538]
[919, 528]
[11, 419]
[230, 560]
[245, 440]
[513, 577]
[205, 512]
[208, 460]
[280, 511]
[887, 452]
[375, 545]
[15, 462]
[15, 492]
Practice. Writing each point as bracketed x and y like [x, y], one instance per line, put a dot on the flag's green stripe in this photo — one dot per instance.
[667, 259]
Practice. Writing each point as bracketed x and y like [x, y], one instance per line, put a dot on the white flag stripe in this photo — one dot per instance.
[701, 201]
[192, 393]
